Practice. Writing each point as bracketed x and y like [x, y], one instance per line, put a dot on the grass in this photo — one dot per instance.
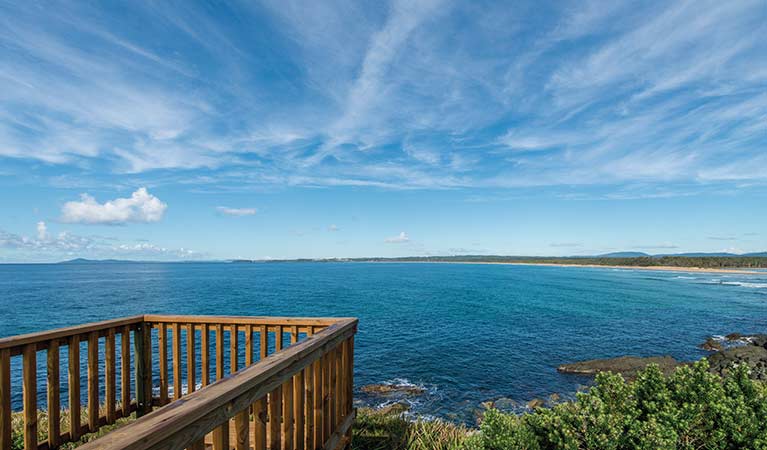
[375, 430]
[17, 428]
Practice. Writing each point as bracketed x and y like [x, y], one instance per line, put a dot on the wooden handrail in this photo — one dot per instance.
[185, 421]
[61, 334]
[309, 383]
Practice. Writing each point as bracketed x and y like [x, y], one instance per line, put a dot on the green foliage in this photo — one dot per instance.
[692, 409]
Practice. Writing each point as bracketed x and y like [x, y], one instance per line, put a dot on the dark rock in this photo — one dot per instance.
[760, 340]
[554, 398]
[535, 403]
[734, 337]
[395, 408]
[387, 389]
[505, 404]
[628, 366]
[711, 345]
[751, 355]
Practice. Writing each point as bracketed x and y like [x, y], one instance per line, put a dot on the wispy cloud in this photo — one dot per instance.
[333, 228]
[387, 95]
[141, 206]
[236, 211]
[399, 239]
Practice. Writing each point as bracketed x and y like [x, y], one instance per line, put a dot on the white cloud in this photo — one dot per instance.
[239, 212]
[140, 207]
[42, 231]
[399, 239]
[333, 227]
[50, 247]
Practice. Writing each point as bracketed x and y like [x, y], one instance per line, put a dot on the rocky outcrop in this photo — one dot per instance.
[733, 349]
[393, 389]
[628, 366]
[754, 356]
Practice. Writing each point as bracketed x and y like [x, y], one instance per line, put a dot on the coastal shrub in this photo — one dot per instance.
[691, 409]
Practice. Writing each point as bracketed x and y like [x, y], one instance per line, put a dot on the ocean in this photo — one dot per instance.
[465, 333]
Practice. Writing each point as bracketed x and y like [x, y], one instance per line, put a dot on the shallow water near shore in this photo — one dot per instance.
[467, 333]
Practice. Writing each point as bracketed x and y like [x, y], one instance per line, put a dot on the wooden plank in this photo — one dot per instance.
[309, 407]
[327, 414]
[93, 382]
[221, 437]
[65, 333]
[242, 433]
[176, 349]
[54, 395]
[319, 427]
[337, 439]
[275, 418]
[203, 410]
[287, 415]
[205, 354]
[5, 399]
[162, 354]
[197, 445]
[298, 409]
[29, 386]
[74, 387]
[233, 349]
[350, 384]
[147, 356]
[248, 345]
[110, 378]
[293, 335]
[264, 341]
[259, 424]
[337, 380]
[125, 367]
[191, 359]
[143, 396]
[278, 339]
[219, 351]
[244, 320]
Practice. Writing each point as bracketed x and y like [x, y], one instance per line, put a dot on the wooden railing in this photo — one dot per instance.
[278, 392]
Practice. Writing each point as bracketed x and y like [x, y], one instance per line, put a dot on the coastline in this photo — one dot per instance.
[594, 266]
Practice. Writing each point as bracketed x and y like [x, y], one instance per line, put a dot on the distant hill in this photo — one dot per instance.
[623, 255]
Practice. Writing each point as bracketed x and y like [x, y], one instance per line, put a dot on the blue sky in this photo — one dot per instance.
[205, 130]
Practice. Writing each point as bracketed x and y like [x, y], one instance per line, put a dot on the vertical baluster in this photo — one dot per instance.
[342, 375]
[242, 436]
[220, 433]
[275, 416]
[110, 379]
[125, 369]
[298, 408]
[278, 339]
[293, 334]
[287, 414]
[233, 349]
[54, 396]
[337, 370]
[74, 388]
[162, 353]
[259, 424]
[191, 360]
[205, 354]
[327, 416]
[142, 350]
[219, 351]
[93, 381]
[264, 341]
[29, 373]
[176, 360]
[319, 427]
[248, 345]
[349, 383]
[309, 401]
[5, 399]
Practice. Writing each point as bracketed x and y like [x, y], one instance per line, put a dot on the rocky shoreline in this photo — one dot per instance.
[726, 351]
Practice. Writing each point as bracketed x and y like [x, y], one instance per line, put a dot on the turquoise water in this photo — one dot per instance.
[467, 333]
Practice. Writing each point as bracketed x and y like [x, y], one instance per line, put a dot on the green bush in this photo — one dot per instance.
[692, 409]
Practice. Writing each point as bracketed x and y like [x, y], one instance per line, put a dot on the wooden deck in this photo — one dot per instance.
[279, 383]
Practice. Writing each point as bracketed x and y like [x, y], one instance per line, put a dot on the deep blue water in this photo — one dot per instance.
[467, 332]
